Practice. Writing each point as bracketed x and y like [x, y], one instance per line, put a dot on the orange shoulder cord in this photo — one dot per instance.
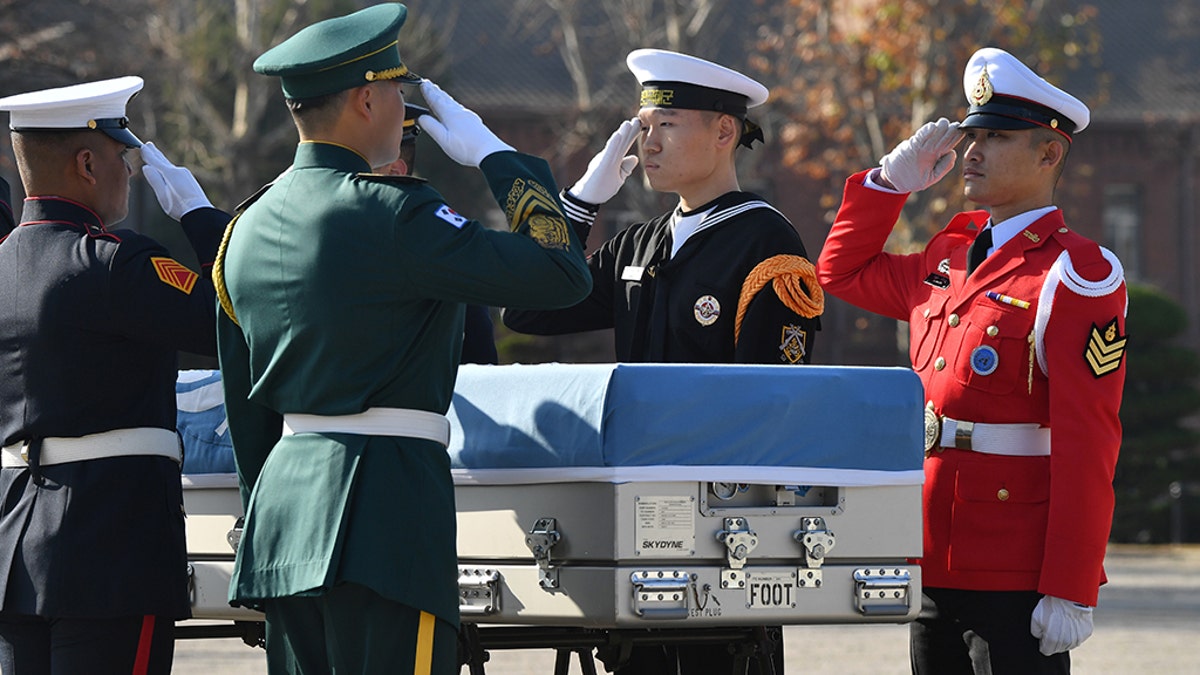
[787, 271]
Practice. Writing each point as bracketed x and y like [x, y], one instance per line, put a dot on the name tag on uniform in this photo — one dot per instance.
[631, 273]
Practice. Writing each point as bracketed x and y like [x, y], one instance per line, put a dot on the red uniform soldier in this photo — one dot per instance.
[1022, 362]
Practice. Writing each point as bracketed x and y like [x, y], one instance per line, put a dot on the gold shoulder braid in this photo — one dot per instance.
[218, 272]
[791, 273]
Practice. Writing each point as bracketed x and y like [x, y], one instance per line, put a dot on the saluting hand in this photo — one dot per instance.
[457, 130]
[176, 188]
[607, 171]
[923, 159]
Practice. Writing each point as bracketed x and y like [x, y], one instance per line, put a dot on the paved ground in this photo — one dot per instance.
[1148, 622]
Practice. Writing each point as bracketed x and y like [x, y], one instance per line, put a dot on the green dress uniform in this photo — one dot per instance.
[348, 292]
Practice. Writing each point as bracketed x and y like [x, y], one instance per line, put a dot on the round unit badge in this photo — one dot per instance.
[984, 360]
[706, 309]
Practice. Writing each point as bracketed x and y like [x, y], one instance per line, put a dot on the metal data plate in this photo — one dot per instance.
[771, 589]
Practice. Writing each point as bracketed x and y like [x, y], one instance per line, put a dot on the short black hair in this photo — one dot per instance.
[1043, 135]
[317, 110]
[39, 151]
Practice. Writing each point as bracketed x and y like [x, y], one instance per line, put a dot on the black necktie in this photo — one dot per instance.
[977, 253]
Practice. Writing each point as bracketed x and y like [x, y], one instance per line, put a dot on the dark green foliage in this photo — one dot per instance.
[1158, 448]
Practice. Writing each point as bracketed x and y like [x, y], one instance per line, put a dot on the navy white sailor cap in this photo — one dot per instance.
[1005, 94]
[673, 80]
[92, 105]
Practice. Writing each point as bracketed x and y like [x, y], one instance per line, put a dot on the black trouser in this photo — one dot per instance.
[33, 645]
[979, 633]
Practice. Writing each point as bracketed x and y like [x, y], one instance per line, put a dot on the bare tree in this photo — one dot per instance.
[210, 109]
[592, 39]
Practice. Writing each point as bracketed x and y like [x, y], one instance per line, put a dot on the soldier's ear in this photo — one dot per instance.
[728, 127]
[83, 165]
[1053, 151]
[362, 100]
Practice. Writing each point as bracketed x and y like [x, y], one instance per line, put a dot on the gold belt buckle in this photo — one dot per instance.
[25, 451]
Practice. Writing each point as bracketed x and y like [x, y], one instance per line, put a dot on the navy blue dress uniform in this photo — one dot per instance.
[93, 568]
[723, 278]
[6, 213]
[683, 308]
[342, 296]
[681, 287]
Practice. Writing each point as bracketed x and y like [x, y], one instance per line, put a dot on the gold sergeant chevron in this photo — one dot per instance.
[1104, 350]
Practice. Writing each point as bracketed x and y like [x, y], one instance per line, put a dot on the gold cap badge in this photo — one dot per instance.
[982, 93]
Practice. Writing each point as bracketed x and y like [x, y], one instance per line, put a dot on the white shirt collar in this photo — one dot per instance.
[683, 227]
[1007, 229]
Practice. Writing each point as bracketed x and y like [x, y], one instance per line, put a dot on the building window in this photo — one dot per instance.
[1123, 225]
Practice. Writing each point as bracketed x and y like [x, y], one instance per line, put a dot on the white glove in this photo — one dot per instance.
[459, 131]
[923, 159]
[1061, 625]
[176, 188]
[607, 171]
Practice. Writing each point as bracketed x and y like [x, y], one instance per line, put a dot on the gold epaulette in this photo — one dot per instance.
[791, 274]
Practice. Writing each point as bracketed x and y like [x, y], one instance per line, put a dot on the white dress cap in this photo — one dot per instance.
[1005, 94]
[660, 65]
[91, 105]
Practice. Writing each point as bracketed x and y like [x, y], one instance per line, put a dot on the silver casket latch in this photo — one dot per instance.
[882, 591]
[541, 538]
[660, 594]
[816, 541]
[478, 591]
[234, 535]
[739, 542]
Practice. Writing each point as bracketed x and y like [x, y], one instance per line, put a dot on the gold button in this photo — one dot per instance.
[1002, 495]
[953, 320]
[992, 331]
[939, 364]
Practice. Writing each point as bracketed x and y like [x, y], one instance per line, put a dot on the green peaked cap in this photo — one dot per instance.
[340, 53]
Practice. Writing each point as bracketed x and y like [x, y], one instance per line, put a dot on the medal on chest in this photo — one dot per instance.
[984, 360]
[706, 310]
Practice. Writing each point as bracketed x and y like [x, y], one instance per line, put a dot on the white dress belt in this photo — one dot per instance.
[116, 443]
[1019, 440]
[403, 422]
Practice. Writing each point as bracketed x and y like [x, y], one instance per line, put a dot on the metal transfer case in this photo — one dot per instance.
[657, 496]
[620, 496]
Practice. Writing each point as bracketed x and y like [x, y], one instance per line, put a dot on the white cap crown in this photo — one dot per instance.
[1005, 94]
[91, 105]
